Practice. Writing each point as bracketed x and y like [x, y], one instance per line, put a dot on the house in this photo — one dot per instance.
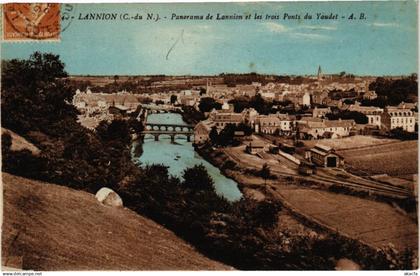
[286, 123]
[407, 105]
[298, 98]
[221, 118]
[315, 128]
[320, 112]
[130, 101]
[267, 124]
[306, 99]
[187, 100]
[319, 97]
[202, 131]
[268, 95]
[370, 95]
[324, 156]
[255, 147]
[373, 113]
[246, 90]
[250, 116]
[396, 117]
[274, 123]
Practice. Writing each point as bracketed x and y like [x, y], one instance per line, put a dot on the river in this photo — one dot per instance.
[181, 155]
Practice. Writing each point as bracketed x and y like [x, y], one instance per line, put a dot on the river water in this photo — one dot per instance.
[181, 155]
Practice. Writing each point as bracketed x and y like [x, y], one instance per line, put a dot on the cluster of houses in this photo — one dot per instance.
[390, 117]
[314, 124]
[91, 103]
[310, 126]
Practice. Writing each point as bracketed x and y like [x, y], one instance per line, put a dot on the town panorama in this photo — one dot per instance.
[252, 136]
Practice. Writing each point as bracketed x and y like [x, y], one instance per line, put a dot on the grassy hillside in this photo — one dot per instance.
[51, 227]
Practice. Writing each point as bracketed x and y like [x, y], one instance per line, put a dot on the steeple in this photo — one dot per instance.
[319, 72]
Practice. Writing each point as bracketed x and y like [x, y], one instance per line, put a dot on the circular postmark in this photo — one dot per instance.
[37, 21]
[67, 15]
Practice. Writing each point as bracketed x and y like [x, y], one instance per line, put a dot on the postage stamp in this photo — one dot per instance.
[31, 21]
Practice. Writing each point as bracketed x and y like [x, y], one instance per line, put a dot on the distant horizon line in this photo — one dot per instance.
[248, 73]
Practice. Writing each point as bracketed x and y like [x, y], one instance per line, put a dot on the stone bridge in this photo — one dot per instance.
[168, 129]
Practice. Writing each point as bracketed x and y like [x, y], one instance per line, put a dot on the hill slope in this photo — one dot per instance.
[50, 227]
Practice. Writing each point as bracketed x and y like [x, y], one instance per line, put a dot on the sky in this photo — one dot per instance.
[385, 43]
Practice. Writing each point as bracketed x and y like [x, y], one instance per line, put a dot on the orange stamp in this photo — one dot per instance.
[31, 21]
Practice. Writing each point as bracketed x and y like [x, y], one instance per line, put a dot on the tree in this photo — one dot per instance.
[265, 172]
[117, 130]
[260, 105]
[245, 128]
[358, 117]
[226, 136]
[202, 91]
[35, 96]
[349, 101]
[400, 133]
[197, 178]
[207, 104]
[214, 136]
[395, 91]
[174, 98]
[266, 213]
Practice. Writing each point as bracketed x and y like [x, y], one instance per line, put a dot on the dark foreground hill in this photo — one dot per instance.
[50, 227]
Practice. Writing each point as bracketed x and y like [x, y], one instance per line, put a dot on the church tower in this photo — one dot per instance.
[319, 73]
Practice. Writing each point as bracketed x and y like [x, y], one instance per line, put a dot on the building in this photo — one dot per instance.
[373, 113]
[408, 105]
[202, 132]
[315, 128]
[324, 156]
[221, 118]
[370, 95]
[255, 147]
[306, 99]
[320, 112]
[396, 117]
[267, 124]
[299, 98]
[250, 116]
[188, 100]
[287, 123]
[320, 97]
[268, 95]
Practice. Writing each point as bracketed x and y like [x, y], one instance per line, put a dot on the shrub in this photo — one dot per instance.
[229, 165]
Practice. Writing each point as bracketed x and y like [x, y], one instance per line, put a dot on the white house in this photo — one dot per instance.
[395, 117]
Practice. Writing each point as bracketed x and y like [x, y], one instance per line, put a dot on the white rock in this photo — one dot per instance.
[346, 264]
[109, 197]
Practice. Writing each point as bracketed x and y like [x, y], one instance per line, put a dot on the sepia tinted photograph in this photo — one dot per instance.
[268, 136]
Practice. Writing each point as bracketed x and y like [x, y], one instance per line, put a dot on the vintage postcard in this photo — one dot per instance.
[210, 136]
